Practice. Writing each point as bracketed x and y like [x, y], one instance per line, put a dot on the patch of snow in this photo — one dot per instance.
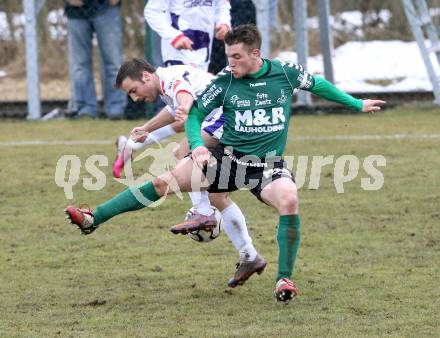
[374, 66]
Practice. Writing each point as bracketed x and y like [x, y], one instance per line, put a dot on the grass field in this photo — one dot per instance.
[369, 261]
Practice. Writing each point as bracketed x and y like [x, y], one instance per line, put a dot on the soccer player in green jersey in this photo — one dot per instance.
[256, 96]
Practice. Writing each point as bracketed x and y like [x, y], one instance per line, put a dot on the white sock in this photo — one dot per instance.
[200, 201]
[235, 227]
[153, 137]
[134, 146]
[159, 134]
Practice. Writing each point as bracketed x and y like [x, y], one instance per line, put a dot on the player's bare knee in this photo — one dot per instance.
[160, 185]
[288, 203]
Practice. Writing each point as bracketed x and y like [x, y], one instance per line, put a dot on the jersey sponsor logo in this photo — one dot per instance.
[251, 160]
[262, 99]
[210, 95]
[257, 84]
[283, 98]
[277, 172]
[235, 100]
[259, 120]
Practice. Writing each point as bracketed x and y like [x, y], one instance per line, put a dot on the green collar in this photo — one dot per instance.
[262, 70]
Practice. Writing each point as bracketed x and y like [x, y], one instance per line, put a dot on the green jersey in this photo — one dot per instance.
[256, 107]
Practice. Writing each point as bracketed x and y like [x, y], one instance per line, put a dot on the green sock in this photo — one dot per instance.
[288, 237]
[126, 201]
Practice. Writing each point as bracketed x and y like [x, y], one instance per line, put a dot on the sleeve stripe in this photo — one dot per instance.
[304, 80]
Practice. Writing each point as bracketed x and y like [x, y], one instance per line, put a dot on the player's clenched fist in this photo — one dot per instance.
[220, 31]
[183, 43]
[139, 135]
[200, 156]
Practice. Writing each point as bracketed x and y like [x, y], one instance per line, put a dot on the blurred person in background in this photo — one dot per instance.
[188, 28]
[242, 12]
[102, 18]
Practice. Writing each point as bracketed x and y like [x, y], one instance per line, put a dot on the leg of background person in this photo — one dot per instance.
[109, 34]
[80, 33]
[156, 53]
[156, 61]
[72, 108]
[135, 110]
[283, 196]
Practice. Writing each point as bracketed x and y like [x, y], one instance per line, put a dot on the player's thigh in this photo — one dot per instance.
[186, 176]
[181, 149]
[281, 194]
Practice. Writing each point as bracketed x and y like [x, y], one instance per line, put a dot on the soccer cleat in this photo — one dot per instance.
[285, 290]
[82, 218]
[246, 269]
[119, 163]
[195, 222]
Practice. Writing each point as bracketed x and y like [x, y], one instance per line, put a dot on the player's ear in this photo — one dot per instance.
[256, 53]
[146, 76]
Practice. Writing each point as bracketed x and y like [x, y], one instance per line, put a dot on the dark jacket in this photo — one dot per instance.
[89, 10]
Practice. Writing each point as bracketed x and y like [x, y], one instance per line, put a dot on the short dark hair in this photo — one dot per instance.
[133, 69]
[247, 34]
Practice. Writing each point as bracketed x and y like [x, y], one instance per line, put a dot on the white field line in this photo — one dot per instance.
[292, 138]
[55, 143]
[365, 137]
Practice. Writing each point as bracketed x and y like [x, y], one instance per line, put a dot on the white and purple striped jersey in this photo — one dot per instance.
[185, 78]
[195, 19]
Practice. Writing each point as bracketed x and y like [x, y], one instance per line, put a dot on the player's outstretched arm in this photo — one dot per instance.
[370, 106]
[330, 92]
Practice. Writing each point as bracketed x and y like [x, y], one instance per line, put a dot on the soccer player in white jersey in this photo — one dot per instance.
[187, 29]
[173, 81]
[178, 86]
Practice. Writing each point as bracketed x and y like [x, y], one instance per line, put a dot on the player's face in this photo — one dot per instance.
[241, 60]
[141, 91]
